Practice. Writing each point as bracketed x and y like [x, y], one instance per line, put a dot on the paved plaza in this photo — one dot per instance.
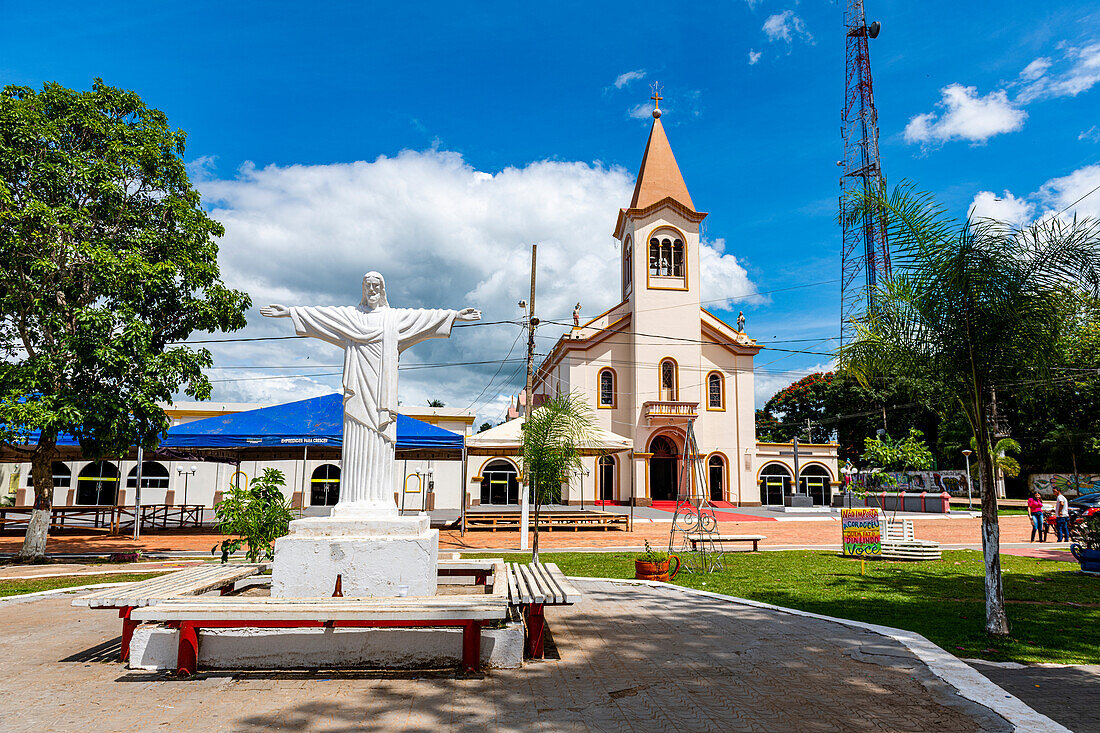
[630, 657]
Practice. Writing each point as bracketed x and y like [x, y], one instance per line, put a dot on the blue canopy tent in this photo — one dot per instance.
[279, 432]
[316, 422]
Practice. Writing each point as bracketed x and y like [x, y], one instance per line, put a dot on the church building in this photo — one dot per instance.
[652, 365]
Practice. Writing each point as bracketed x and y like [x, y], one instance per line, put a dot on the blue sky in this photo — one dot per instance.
[514, 130]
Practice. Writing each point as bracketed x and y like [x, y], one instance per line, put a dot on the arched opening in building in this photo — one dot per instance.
[663, 465]
[499, 483]
[670, 381]
[775, 483]
[607, 387]
[154, 475]
[62, 476]
[716, 477]
[324, 485]
[97, 484]
[607, 478]
[815, 481]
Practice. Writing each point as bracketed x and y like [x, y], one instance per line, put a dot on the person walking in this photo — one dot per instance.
[1035, 510]
[1061, 517]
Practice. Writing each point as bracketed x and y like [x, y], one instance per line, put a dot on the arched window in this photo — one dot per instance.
[775, 483]
[666, 255]
[97, 484]
[607, 478]
[499, 483]
[716, 475]
[324, 485]
[62, 476]
[716, 391]
[628, 264]
[815, 482]
[670, 381]
[154, 475]
[607, 388]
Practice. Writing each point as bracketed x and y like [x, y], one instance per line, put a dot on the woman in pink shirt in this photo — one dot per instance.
[1035, 509]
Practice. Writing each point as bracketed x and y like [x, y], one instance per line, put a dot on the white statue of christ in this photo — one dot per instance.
[372, 335]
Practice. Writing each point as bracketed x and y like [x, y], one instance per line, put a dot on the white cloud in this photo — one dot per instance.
[445, 235]
[1005, 208]
[623, 79]
[1066, 192]
[723, 276]
[753, 3]
[754, 56]
[1092, 134]
[1077, 71]
[786, 26]
[641, 111]
[966, 116]
[1066, 196]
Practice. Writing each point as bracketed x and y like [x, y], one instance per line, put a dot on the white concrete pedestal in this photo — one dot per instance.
[373, 554]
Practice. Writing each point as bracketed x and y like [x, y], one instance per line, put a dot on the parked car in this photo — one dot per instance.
[1084, 506]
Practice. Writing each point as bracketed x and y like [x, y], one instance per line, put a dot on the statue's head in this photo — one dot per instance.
[374, 290]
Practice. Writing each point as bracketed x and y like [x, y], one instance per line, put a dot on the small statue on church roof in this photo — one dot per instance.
[741, 321]
[577, 314]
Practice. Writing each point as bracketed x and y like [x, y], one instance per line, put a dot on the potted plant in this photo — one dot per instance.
[1086, 543]
[653, 565]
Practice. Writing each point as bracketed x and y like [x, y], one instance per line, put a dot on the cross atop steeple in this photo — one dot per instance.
[656, 99]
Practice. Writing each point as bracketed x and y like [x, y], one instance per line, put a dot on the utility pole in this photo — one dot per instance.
[525, 498]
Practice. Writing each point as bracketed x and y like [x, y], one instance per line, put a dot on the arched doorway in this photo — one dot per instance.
[97, 484]
[607, 478]
[663, 469]
[716, 477]
[499, 483]
[775, 483]
[324, 485]
[815, 482]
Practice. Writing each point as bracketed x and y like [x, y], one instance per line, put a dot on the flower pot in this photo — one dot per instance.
[655, 570]
[1088, 559]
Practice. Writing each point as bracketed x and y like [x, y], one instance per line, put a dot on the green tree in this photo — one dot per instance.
[108, 262]
[436, 403]
[908, 454]
[484, 426]
[1000, 454]
[973, 303]
[253, 517]
[553, 436]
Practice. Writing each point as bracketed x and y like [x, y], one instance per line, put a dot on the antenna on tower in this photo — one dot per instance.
[865, 252]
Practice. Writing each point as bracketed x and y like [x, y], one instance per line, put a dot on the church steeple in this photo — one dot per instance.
[659, 176]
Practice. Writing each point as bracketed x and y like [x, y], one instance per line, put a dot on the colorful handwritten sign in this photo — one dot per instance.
[861, 533]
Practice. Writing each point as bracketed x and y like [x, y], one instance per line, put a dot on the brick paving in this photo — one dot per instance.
[813, 533]
[631, 658]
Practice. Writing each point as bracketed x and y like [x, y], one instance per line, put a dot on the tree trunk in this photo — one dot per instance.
[996, 622]
[34, 542]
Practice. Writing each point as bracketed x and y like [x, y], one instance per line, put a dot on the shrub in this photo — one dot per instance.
[253, 517]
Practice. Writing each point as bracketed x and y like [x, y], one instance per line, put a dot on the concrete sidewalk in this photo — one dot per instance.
[627, 658]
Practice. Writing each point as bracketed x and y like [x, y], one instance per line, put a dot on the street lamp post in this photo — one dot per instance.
[186, 475]
[969, 495]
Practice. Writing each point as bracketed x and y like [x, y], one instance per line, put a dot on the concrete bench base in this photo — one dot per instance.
[154, 647]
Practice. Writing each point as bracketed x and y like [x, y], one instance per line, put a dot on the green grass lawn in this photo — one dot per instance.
[17, 587]
[1053, 611]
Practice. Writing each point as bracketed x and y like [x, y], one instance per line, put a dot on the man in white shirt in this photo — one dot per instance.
[1061, 517]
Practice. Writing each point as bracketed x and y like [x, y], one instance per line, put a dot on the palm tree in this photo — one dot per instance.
[971, 304]
[553, 436]
[1004, 462]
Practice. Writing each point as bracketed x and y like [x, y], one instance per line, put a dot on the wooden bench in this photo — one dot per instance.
[723, 538]
[533, 586]
[548, 521]
[188, 582]
[191, 614]
[900, 543]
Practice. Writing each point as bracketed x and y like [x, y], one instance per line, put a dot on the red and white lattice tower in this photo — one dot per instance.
[865, 253]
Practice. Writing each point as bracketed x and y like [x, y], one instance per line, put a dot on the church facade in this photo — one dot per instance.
[654, 365]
